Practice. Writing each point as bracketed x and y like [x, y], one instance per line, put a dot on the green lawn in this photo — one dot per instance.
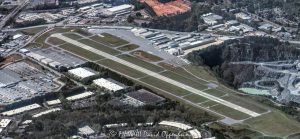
[146, 56]
[55, 41]
[81, 52]
[274, 124]
[32, 31]
[215, 92]
[141, 63]
[82, 32]
[100, 47]
[121, 68]
[195, 98]
[246, 103]
[116, 41]
[208, 103]
[227, 111]
[183, 80]
[72, 36]
[200, 72]
[165, 86]
[128, 47]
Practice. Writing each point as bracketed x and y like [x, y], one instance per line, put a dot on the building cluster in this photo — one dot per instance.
[11, 43]
[142, 97]
[109, 85]
[173, 44]
[21, 82]
[54, 58]
[195, 133]
[244, 25]
[35, 3]
[47, 16]
[155, 7]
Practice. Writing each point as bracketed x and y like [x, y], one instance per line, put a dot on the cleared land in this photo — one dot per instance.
[100, 47]
[146, 56]
[81, 52]
[129, 47]
[141, 63]
[121, 68]
[72, 36]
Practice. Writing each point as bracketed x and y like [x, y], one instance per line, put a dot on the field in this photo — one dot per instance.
[183, 80]
[128, 47]
[99, 46]
[81, 32]
[81, 52]
[146, 56]
[274, 123]
[121, 68]
[55, 41]
[141, 63]
[116, 41]
[222, 109]
[32, 31]
[72, 36]
[215, 92]
[195, 98]
[165, 86]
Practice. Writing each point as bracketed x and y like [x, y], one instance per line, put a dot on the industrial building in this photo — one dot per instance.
[119, 10]
[4, 123]
[56, 59]
[46, 112]
[21, 110]
[80, 96]
[211, 18]
[53, 102]
[83, 74]
[21, 83]
[86, 131]
[142, 97]
[109, 84]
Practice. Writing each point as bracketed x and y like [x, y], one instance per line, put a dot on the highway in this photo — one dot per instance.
[158, 76]
[13, 13]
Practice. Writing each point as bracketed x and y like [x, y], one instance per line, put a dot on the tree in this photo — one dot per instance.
[130, 19]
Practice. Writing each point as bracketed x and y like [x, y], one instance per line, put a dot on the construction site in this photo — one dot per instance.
[171, 8]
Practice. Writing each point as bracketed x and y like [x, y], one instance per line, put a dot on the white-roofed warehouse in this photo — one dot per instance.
[109, 84]
[83, 73]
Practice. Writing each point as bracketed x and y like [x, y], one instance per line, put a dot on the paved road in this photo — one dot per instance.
[158, 76]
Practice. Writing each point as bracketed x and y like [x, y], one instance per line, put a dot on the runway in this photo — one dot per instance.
[158, 76]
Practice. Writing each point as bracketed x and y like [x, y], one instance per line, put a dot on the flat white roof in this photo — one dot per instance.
[81, 72]
[4, 122]
[176, 124]
[46, 112]
[53, 102]
[80, 96]
[86, 130]
[108, 84]
[119, 8]
[195, 134]
[21, 109]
